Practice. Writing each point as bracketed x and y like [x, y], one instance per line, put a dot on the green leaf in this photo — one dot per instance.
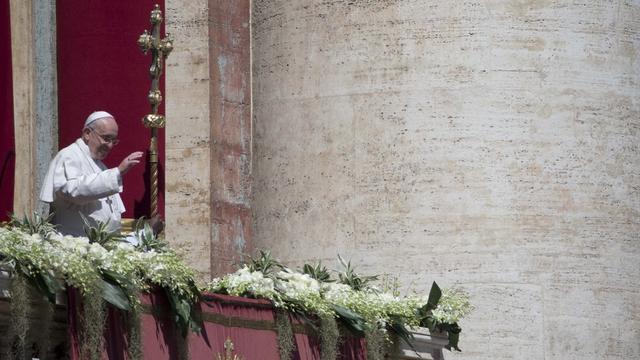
[35, 224]
[39, 284]
[115, 278]
[114, 295]
[147, 239]
[403, 333]
[264, 263]
[318, 272]
[453, 332]
[350, 318]
[434, 297]
[453, 341]
[429, 322]
[349, 277]
[100, 234]
[184, 314]
[47, 285]
[424, 312]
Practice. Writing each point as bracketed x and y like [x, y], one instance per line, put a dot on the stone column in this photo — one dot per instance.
[23, 72]
[208, 134]
[231, 133]
[188, 133]
[34, 98]
[46, 91]
[491, 145]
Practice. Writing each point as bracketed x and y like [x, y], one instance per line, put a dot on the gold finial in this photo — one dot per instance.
[160, 49]
[144, 42]
[156, 15]
[228, 352]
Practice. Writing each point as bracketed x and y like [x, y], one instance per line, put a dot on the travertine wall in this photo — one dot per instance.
[231, 133]
[492, 145]
[35, 103]
[188, 133]
[25, 96]
[208, 134]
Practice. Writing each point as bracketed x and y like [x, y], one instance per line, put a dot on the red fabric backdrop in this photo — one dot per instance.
[7, 145]
[101, 68]
[248, 323]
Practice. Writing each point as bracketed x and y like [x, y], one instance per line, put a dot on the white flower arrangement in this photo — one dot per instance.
[245, 282]
[80, 263]
[294, 290]
[375, 306]
[452, 307]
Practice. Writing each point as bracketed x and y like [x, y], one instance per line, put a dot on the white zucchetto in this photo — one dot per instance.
[95, 116]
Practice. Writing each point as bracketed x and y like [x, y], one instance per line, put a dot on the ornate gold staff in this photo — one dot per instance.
[160, 49]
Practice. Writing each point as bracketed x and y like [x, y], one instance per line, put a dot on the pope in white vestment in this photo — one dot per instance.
[78, 182]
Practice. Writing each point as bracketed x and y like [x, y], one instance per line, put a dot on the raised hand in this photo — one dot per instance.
[130, 161]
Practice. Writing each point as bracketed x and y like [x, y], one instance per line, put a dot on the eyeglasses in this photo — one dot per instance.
[105, 139]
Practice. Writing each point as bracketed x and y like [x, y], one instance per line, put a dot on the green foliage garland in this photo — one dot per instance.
[92, 325]
[376, 344]
[45, 322]
[134, 336]
[354, 300]
[182, 346]
[286, 340]
[102, 268]
[442, 312]
[16, 339]
[329, 337]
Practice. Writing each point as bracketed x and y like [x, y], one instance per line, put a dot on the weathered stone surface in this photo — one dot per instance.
[231, 133]
[492, 145]
[209, 133]
[188, 139]
[231, 236]
[23, 74]
[46, 92]
[188, 206]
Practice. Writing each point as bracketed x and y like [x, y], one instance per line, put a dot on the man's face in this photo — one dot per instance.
[101, 136]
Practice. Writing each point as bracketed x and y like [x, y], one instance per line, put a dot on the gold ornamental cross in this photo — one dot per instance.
[228, 353]
[160, 49]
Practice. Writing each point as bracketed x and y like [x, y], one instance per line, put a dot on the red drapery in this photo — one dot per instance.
[248, 323]
[7, 145]
[101, 68]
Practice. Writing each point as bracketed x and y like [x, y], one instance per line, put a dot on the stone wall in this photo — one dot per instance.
[208, 133]
[488, 145]
[188, 139]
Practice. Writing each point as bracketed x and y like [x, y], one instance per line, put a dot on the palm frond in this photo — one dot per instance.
[99, 233]
[318, 272]
[147, 239]
[35, 224]
[264, 263]
[349, 277]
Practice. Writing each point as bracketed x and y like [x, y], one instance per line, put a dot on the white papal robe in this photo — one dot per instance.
[77, 184]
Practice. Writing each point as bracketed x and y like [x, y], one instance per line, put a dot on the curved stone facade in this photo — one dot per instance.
[490, 145]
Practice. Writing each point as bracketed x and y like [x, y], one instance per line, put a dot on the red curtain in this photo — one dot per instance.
[249, 324]
[101, 68]
[7, 144]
